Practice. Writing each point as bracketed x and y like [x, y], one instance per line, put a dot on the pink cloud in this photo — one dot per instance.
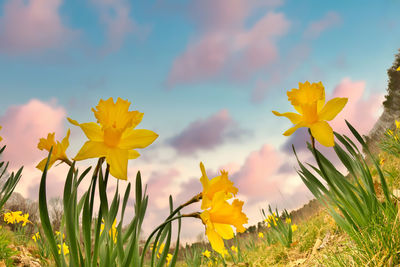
[23, 125]
[330, 20]
[295, 58]
[32, 25]
[115, 16]
[224, 41]
[158, 187]
[205, 134]
[255, 177]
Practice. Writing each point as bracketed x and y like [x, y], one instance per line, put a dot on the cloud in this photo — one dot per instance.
[295, 58]
[24, 125]
[361, 111]
[32, 26]
[224, 40]
[315, 29]
[206, 134]
[115, 16]
[159, 187]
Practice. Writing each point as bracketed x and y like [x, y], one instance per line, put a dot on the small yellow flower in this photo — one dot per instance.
[216, 184]
[269, 225]
[114, 136]
[206, 253]
[220, 217]
[398, 69]
[381, 161]
[36, 236]
[309, 101]
[24, 219]
[65, 249]
[260, 235]
[113, 231]
[63, 236]
[235, 249]
[169, 258]
[294, 227]
[58, 152]
[12, 217]
[288, 220]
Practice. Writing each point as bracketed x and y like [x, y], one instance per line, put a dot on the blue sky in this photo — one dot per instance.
[206, 74]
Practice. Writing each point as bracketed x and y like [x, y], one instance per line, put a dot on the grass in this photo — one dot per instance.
[317, 242]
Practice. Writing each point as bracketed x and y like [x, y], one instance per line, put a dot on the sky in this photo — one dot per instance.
[206, 74]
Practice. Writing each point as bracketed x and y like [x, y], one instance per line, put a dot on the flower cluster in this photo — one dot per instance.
[218, 214]
[65, 249]
[309, 101]
[271, 220]
[14, 217]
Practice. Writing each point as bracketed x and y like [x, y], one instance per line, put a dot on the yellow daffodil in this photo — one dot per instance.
[288, 220]
[114, 136]
[398, 69]
[216, 184]
[260, 235]
[58, 152]
[206, 253]
[12, 217]
[168, 258]
[294, 227]
[234, 249]
[113, 231]
[63, 236]
[65, 249]
[220, 217]
[36, 236]
[309, 101]
[381, 161]
[24, 219]
[269, 225]
[397, 124]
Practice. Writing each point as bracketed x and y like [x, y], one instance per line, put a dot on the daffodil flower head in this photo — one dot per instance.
[36, 237]
[397, 124]
[398, 69]
[294, 227]
[219, 219]
[260, 235]
[65, 249]
[114, 136]
[313, 112]
[168, 258]
[235, 249]
[288, 220]
[217, 184]
[206, 253]
[58, 152]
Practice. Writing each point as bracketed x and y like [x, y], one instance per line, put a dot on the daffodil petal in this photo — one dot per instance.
[65, 141]
[118, 161]
[92, 131]
[137, 138]
[224, 230]
[332, 108]
[293, 129]
[215, 240]
[323, 133]
[42, 163]
[293, 117]
[92, 149]
[133, 154]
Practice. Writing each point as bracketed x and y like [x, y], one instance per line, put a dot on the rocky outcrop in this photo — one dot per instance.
[391, 106]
